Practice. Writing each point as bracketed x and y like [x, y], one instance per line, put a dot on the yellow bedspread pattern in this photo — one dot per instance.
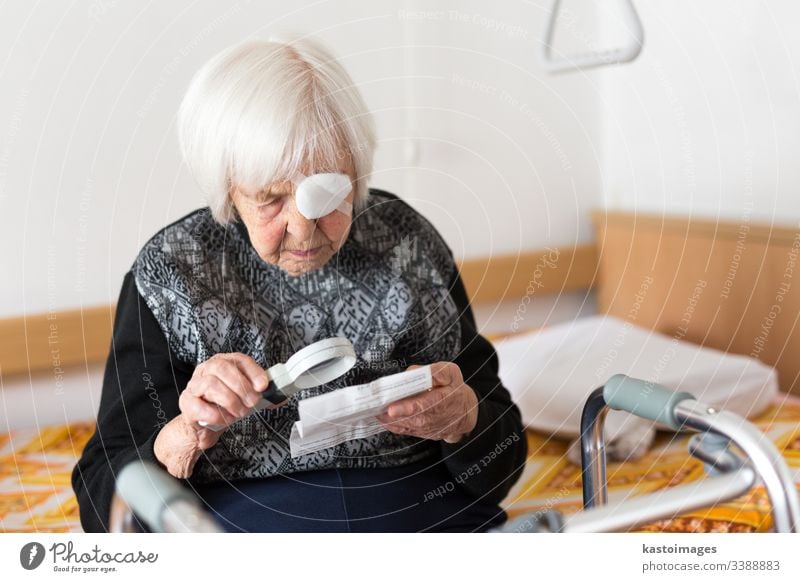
[35, 471]
[36, 465]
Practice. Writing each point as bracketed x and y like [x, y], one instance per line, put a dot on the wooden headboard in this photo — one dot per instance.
[730, 286]
[734, 286]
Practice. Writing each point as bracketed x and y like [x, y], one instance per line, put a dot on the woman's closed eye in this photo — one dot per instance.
[268, 204]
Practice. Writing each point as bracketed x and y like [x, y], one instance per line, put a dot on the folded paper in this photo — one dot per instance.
[349, 413]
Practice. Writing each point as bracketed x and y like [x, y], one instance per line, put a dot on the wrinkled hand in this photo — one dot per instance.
[447, 411]
[222, 390]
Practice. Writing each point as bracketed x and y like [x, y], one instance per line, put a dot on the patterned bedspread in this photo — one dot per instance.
[36, 495]
[35, 471]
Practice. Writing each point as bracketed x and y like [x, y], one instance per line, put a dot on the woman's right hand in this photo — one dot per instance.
[222, 390]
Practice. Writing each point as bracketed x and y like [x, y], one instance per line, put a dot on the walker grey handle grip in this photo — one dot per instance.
[645, 399]
[150, 491]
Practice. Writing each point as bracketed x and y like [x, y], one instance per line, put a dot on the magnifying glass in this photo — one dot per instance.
[319, 363]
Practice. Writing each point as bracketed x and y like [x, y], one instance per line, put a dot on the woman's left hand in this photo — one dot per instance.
[447, 411]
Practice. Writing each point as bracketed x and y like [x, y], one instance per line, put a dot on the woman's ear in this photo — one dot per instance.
[230, 206]
[234, 211]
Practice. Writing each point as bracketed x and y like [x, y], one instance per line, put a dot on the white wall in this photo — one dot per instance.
[707, 121]
[504, 158]
[508, 156]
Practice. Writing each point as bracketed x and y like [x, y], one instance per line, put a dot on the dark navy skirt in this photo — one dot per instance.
[418, 497]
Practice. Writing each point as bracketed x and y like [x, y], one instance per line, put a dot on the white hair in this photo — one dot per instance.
[259, 111]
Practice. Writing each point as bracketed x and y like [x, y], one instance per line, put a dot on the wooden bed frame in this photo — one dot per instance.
[727, 285]
[733, 286]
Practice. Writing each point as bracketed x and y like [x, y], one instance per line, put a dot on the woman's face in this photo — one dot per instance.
[285, 238]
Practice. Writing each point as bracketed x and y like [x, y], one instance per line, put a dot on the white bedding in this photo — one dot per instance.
[551, 372]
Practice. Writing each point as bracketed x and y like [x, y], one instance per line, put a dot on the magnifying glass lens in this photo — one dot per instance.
[319, 368]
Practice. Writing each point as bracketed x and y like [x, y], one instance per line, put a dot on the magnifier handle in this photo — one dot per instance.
[272, 397]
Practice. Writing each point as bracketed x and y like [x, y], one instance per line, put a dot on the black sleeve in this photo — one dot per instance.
[141, 386]
[489, 460]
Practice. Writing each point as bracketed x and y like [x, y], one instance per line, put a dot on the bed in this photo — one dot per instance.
[36, 495]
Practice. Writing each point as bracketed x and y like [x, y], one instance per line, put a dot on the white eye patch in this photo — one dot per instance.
[320, 194]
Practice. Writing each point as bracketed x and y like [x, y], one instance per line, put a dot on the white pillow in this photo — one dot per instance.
[551, 372]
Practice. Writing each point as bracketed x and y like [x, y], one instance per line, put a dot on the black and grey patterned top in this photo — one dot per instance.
[198, 288]
[386, 291]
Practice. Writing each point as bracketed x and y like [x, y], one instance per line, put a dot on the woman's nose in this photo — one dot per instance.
[300, 227]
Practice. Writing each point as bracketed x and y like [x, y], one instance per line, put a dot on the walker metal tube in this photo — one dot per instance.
[620, 392]
[184, 517]
[593, 452]
[157, 500]
[662, 504]
[679, 411]
[713, 450]
[120, 518]
[762, 453]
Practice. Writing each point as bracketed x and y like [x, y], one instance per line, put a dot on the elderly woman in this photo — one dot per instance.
[215, 298]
